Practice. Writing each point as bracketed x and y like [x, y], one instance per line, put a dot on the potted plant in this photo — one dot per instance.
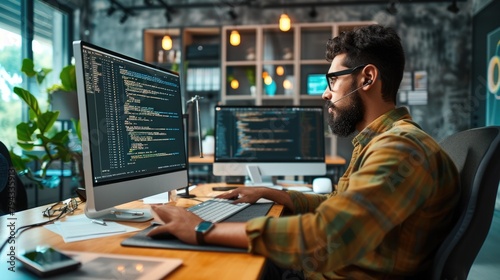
[40, 134]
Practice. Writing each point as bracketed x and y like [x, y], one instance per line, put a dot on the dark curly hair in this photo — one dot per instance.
[373, 44]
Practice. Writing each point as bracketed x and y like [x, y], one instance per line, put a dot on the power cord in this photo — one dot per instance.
[18, 232]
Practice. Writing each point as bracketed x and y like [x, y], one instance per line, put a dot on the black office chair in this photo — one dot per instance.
[476, 153]
[13, 196]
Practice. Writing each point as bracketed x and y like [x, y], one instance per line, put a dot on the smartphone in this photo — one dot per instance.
[46, 261]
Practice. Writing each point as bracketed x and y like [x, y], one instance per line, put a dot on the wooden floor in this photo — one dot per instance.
[487, 264]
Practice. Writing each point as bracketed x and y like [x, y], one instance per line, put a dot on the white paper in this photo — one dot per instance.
[79, 227]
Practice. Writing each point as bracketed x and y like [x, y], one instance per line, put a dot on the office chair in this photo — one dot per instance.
[13, 195]
[476, 153]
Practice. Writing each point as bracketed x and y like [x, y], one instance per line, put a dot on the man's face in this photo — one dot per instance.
[343, 116]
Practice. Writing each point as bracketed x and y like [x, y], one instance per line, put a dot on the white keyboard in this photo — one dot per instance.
[264, 185]
[217, 209]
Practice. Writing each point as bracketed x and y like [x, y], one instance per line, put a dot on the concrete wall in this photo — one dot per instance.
[435, 40]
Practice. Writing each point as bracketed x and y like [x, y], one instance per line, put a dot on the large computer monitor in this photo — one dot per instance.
[267, 141]
[132, 131]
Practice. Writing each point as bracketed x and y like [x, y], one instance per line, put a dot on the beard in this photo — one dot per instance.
[343, 121]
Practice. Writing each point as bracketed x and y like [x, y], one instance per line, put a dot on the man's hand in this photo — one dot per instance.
[181, 223]
[177, 221]
[248, 195]
[252, 194]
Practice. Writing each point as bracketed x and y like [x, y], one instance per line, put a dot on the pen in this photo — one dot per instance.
[131, 213]
[99, 222]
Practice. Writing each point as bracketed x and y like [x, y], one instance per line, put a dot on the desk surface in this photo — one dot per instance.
[196, 264]
[330, 160]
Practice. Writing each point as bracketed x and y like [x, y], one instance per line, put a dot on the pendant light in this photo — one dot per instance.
[285, 23]
[166, 43]
[234, 38]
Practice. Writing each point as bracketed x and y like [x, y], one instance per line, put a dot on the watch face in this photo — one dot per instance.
[204, 226]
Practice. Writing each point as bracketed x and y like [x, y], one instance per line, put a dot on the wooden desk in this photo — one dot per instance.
[208, 159]
[196, 264]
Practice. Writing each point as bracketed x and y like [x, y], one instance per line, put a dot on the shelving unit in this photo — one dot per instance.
[272, 67]
[268, 67]
[196, 56]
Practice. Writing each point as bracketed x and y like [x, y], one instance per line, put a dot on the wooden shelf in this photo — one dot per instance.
[300, 51]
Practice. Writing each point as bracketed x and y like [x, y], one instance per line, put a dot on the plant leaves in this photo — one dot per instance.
[61, 137]
[18, 162]
[29, 99]
[46, 120]
[78, 128]
[28, 67]
[40, 75]
[68, 78]
[25, 131]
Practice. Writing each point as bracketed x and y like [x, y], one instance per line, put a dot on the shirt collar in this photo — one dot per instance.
[381, 124]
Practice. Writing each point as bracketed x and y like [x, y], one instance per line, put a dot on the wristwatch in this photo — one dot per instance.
[202, 229]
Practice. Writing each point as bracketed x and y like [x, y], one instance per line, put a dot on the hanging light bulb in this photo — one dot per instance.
[235, 84]
[285, 23]
[166, 43]
[234, 38]
[280, 70]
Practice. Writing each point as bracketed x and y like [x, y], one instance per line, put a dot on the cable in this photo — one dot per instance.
[27, 227]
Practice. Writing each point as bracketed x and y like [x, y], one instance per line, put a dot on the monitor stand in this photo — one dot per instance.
[257, 180]
[124, 215]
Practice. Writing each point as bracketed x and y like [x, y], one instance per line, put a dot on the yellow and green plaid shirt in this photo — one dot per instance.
[391, 209]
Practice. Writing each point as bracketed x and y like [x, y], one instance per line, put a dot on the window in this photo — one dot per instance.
[49, 49]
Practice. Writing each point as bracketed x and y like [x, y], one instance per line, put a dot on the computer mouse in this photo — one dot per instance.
[322, 185]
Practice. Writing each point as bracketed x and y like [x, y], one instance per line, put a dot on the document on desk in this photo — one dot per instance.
[79, 227]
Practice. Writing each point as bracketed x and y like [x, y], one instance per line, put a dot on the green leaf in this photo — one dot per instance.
[40, 75]
[28, 67]
[25, 131]
[64, 153]
[76, 125]
[18, 162]
[46, 120]
[60, 137]
[68, 78]
[29, 99]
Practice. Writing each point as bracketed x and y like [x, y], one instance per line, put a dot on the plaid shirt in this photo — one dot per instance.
[390, 211]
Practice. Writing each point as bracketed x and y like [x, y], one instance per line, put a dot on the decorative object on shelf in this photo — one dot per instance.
[250, 54]
[250, 73]
[287, 53]
[40, 134]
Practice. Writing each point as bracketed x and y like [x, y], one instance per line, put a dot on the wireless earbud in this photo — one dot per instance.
[369, 82]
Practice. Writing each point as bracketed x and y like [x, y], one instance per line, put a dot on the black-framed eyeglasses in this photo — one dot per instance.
[67, 206]
[330, 76]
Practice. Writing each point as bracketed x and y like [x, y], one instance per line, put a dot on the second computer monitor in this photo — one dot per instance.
[269, 141]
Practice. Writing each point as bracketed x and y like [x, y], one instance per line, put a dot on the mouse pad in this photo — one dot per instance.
[142, 240]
